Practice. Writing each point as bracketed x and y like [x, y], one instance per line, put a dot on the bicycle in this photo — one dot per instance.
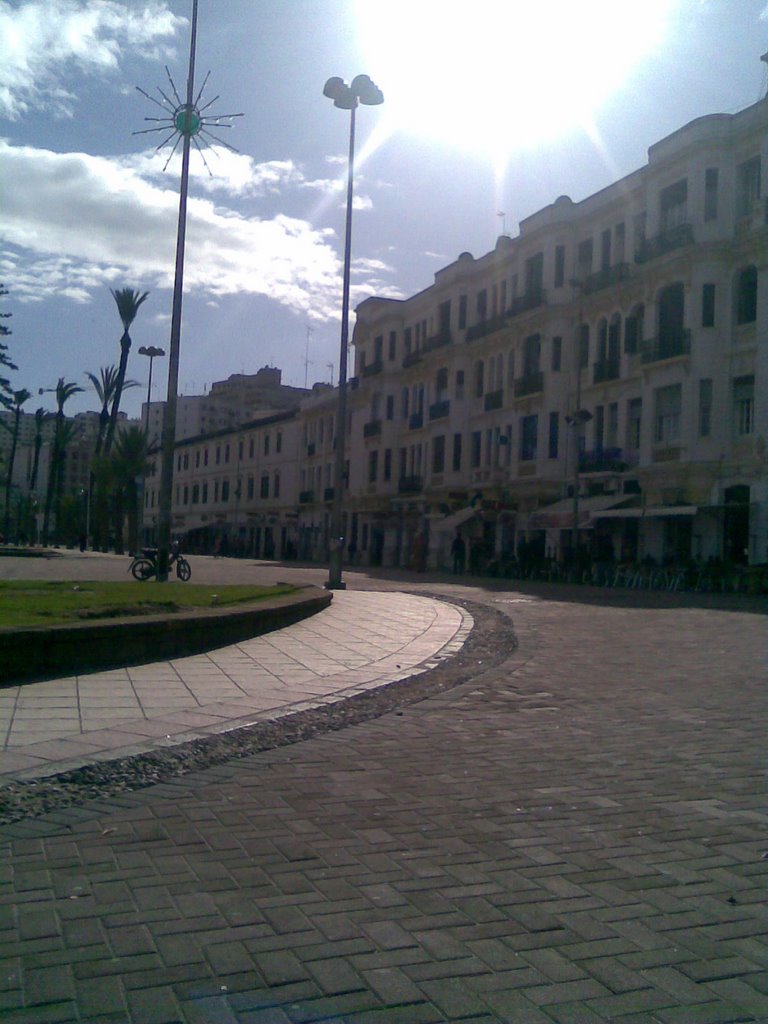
[144, 566]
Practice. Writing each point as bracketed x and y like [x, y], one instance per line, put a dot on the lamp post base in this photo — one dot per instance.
[335, 585]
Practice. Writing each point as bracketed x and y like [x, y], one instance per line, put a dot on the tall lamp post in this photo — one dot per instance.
[152, 351]
[345, 97]
[577, 419]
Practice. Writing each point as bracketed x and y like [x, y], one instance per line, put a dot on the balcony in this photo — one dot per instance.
[666, 346]
[328, 494]
[493, 400]
[605, 278]
[439, 410]
[524, 303]
[606, 369]
[486, 327]
[409, 485]
[603, 460]
[666, 242]
[372, 429]
[530, 384]
[372, 368]
[411, 359]
[306, 497]
[416, 421]
[439, 340]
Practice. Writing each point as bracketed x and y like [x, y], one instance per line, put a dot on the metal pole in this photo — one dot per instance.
[169, 413]
[336, 544]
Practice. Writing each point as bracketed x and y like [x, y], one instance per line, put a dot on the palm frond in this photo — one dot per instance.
[128, 301]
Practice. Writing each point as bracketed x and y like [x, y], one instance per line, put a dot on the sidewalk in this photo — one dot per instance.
[362, 641]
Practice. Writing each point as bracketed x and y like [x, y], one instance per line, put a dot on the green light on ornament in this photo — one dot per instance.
[187, 121]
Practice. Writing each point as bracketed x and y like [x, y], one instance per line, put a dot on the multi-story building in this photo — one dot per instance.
[235, 490]
[631, 327]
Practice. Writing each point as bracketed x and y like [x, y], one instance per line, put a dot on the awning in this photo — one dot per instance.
[649, 512]
[559, 516]
[456, 519]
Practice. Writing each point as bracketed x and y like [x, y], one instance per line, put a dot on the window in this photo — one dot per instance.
[634, 419]
[531, 354]
[668, 408]
[441, 384]
[266, 444]
[746, 296]
[205, 457]
[225, 490]
[476, 450]
[710, 193]
[584, 258]
[378, 348]
[392, 346]
[620, 235]
[633, 330]
[239, 451]
[584, 346]
[197, 459]
[390, 407]
[444, 316]
[216, 490]
[186, 460]
[186, 495]
[456, 461]
[387, 463]
[482, 305]
[529, 428]
[218, 455]
[250, 486]
[205, 494]
[744, 405]
[559, 266]
[534, 275]
[462, 312]
[747, 186]
[605, 249]
[705, 407]
[264, 486]
[479, 378]
[438, 454]
[673, 206]
[557, 352]
[708, 305]
[276, 485]
[226, 453]
[612, 427]
[407, 340]
[279, 442]
[195, 494]
[599, 427]
[554, 434]
[373, 466]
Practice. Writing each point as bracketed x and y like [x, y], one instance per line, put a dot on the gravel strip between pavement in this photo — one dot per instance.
[491, 641]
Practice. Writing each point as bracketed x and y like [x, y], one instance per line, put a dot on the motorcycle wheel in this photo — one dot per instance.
[143, 569]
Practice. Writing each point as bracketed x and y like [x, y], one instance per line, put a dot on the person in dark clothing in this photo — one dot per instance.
[459, 553]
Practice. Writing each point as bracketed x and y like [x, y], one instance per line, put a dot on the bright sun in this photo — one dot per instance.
[495, 76]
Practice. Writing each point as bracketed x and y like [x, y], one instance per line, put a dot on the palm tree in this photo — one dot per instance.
[104, 385]
[64, 391]
[128, 303]
[19, 398]
[41, 417]
[128, 465]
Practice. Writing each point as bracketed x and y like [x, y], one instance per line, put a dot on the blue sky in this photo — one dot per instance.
[491, 107]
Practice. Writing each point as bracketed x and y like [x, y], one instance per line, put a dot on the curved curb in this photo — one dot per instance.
[44, 652]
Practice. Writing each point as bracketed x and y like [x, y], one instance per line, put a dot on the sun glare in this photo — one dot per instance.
[496, 76]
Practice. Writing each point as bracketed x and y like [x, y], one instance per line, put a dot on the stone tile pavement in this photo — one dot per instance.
[362, 641]
[577, 836]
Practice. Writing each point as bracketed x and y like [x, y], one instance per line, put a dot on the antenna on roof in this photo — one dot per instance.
[306, 357]
[330, 367]
[764, 88]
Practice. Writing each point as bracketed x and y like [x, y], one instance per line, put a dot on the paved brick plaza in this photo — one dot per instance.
[577, 836]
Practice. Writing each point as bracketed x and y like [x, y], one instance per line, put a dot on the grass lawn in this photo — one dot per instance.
[37, 603]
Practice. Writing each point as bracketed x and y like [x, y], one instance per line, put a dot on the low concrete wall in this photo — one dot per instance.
[45, 652]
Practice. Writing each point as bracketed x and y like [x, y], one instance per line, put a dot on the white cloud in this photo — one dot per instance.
[82, 222]
[234, 174]
[41, 39]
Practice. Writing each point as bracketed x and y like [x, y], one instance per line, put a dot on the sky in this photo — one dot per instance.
[491, 110]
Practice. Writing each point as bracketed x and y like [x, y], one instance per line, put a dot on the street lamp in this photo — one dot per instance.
[152, 351]
[345, 97]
